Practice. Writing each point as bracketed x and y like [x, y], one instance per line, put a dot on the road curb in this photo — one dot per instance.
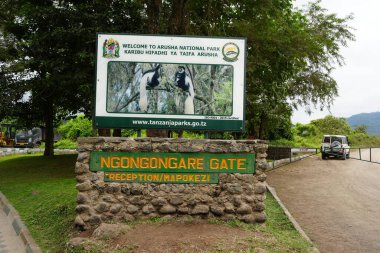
[291, 218]
[20, 151]
[18, 226]
[278, 163]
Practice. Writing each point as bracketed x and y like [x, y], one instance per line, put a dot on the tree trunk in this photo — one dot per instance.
[178, 21]
[263, 121]
[163, 133]
[153, 12]
[104, 132]
[116, 132]
[49, 124]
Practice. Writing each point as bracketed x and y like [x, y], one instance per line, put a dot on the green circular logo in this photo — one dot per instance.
[230, 52]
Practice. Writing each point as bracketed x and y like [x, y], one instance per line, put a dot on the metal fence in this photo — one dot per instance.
[279, 156]
[366, 154]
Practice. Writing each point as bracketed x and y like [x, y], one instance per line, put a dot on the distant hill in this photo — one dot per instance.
[372, 120]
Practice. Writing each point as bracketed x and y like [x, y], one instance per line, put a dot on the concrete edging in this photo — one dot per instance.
[19, 151]
[291, 218]
[18, 226]
[277, 163]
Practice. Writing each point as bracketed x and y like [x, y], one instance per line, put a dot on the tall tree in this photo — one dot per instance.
[54, 42]
[291, 53]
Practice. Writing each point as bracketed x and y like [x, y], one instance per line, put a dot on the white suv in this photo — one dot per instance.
[335, 145]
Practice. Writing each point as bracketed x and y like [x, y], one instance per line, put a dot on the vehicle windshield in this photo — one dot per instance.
[335, 138]
[23, 132]
[326, 140]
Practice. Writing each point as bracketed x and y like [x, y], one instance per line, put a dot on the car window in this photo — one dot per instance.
[335, 138]
[344, 140]
[326, 140]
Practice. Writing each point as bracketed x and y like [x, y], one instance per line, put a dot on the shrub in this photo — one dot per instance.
[78, 127]
[66, 144]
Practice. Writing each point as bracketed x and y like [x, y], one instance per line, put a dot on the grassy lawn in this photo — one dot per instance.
[43, 191]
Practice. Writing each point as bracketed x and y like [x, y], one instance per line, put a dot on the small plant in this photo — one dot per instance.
[78, 127]
[65, 144]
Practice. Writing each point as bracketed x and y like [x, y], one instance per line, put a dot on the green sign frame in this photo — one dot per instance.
[160, 167]
[181, 51]
[160, 162]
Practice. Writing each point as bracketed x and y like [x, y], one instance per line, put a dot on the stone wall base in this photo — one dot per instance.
[236, 196]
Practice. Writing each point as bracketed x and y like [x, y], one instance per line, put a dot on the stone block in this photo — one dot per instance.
[82, 209]
[147, 209]
[160, 201]
[260, 206]
[249, 218]
[115, 208]
[183, 210]
[244, 209]
[200, 209]
[260, 217]
[217, 210]
[167, 209]
[132, 209]
[260, 188]
[176, 200]
[229, 207]
[102, 207]
[83, 156]
[85, 186]
[94, 220]
[81, 168]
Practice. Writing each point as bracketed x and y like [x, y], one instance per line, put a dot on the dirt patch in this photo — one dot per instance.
[183, 237]
[179, 236]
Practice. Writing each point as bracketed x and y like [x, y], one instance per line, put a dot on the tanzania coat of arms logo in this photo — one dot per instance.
[111, 48]
[230, 52]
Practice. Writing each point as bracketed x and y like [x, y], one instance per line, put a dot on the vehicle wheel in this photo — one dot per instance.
[324, 157]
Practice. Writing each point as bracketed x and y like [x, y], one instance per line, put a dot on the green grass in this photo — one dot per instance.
[279, 233]
[43, 191]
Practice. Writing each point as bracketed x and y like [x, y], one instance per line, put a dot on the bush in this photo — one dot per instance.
[78, 127]
[66, 144]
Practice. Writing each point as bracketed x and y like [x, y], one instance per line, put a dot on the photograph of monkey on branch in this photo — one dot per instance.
[177, 89]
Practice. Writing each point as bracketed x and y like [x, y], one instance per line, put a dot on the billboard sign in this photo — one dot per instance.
[194, 83]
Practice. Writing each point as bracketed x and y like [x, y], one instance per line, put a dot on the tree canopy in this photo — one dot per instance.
[47, 52]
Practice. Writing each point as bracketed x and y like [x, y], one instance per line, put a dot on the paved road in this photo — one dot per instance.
[336, 202]
[9, 241]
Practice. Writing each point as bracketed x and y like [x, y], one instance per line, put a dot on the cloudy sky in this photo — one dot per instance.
[358, 80]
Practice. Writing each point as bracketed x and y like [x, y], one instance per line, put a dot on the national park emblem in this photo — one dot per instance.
[111, 48]
[230, 52]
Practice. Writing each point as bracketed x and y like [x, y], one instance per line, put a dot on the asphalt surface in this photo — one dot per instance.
[9, 241]
[336, 202]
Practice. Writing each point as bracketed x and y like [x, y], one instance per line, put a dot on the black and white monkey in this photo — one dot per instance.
[150, 78]
[183, 81]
